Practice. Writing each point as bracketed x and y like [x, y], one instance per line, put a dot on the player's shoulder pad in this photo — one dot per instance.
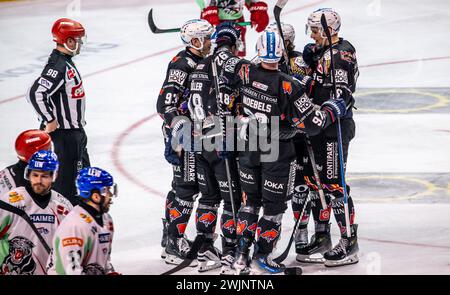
[203, 65]
[231, 63]
[61, 200]
[347, 51]
[183, 61]
[108, 221]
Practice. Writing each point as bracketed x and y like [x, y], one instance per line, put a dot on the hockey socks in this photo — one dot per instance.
[179, 214]
[269, 230]
[206, 219]
[339, 213]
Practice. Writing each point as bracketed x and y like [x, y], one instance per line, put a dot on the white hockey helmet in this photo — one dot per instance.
[196, 28]
[288, 31]
[269, 46]
[332, 17]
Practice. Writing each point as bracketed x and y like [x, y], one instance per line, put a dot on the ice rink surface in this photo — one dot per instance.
[399, 163]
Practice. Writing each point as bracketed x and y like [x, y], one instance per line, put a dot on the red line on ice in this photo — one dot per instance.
[115, 155]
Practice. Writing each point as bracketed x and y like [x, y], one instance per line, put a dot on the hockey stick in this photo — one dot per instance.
[191, 256]
[323, 21]
[277, 11]
[222, 127]
[285, 254]
[156, 30]
[7, 207]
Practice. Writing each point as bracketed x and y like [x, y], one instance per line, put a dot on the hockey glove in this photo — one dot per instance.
[259, 16]
[169, 154]
[307, 82]
[311, 54]
[336, 108]
[211, 14]
[182, 133]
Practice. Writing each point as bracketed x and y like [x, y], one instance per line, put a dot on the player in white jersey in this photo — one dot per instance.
[29, 216]
[82, 244]
[27, 143]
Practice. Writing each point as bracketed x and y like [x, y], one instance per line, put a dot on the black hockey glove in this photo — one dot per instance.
[169, 154]
[182, 133]
[307, 83]
[336, 108]
[311, 54]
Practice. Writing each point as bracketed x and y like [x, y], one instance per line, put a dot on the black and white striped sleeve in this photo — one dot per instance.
[51, 79]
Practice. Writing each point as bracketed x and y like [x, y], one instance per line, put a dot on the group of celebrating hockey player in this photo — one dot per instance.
[255, 134]
[53, 206]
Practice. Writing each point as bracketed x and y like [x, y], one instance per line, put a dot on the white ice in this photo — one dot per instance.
[124, 66]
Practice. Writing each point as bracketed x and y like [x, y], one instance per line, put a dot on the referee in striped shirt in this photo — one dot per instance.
[58, 98]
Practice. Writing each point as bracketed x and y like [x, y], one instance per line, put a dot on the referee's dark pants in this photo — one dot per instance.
[70, 147]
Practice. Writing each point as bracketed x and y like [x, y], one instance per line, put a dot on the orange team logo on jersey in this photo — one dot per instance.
[14, 197]
[229, 225]
[241, 226]
[175, 58]
[298, 124]
[174, 214]
[269, 235]
[253, 227]
[207, 218]
[86, 218]
[287, 87]
[72, 241]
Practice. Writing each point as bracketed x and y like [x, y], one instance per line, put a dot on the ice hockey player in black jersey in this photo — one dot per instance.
[211, 168]
[172, 102]
[301, 208]
[59, 100]
[266, 163]
[325, 144]
[27, 143]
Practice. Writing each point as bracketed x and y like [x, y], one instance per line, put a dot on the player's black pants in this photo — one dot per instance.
[213, 184]
[70, 147]
[266, 184]
[325, 146]
[180, 200]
